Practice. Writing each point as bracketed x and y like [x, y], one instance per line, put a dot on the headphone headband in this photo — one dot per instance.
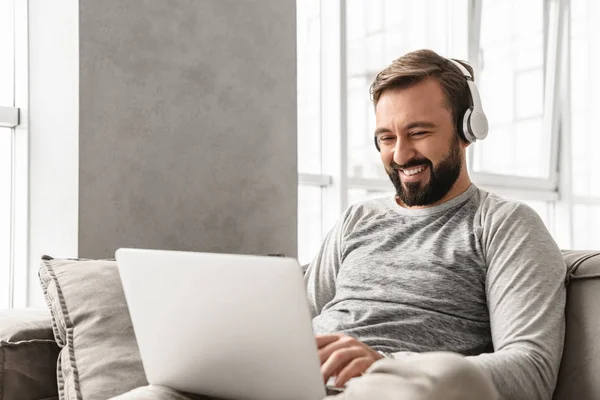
[475, 123]
[462, 68]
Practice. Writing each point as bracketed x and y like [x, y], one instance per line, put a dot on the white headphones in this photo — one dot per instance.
[475, 123]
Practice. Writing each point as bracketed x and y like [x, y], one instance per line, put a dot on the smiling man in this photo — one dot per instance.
[442, 266]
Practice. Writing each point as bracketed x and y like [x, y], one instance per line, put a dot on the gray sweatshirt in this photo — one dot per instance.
[478, 275]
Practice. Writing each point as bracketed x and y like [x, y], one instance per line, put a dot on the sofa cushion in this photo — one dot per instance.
[100, 358]
[28, 355]
[580, 366]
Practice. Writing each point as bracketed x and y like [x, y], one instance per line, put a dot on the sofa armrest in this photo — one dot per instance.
[28, 355]
[580, 365]
[24, 324]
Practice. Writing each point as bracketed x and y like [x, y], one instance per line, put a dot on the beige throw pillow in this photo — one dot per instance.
[99, 357]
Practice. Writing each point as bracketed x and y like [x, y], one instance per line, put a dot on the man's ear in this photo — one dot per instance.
[464, 143]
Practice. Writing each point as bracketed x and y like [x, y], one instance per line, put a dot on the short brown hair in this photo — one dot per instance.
[418, 65]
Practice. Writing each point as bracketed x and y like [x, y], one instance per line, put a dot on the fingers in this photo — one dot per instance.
[340, 359]
[354, 368]
[324, 340]
[342, 341]
[344, 357]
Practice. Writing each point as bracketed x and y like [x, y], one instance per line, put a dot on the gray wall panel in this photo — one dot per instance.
[188, 126]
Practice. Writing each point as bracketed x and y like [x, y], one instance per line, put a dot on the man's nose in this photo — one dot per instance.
[404, 151]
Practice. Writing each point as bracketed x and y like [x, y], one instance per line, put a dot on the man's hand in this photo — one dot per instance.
[344, 357]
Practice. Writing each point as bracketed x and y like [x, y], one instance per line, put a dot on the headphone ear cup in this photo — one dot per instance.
[478, 125]
[466, 126]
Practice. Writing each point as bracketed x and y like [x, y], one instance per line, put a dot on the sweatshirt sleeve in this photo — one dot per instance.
[526, 296]
[321, 274]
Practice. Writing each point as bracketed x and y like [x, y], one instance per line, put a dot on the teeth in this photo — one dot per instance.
[413, 171]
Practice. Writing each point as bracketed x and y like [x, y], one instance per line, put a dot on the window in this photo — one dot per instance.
[586, 226]
[309, 222]
[585, 84]
[526, 68]
[511, 81]
[309, 86]
[13, 154]
[7, 60]
[6, 145]
[308, 21]
[5, 213]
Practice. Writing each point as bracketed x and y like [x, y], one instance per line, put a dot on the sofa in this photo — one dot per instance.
[83, 347]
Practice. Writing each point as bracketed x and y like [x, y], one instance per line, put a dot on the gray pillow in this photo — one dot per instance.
[100, 358]
[28, 355]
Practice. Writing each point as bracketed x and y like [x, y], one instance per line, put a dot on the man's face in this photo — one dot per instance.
[421, 153]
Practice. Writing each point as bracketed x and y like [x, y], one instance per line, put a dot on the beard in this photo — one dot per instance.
[441, 178]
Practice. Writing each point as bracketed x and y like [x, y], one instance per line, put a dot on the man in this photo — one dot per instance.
[444, 291]
[442, 266]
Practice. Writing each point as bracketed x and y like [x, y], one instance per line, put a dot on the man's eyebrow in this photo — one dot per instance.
[420, 124]
[382, 130]
[412, 125]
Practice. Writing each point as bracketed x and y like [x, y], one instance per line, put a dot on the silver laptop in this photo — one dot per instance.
[228, 326]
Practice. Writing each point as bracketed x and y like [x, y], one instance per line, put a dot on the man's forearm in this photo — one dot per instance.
[518, 374]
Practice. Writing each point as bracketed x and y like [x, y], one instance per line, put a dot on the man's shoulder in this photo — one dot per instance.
[494, 208]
